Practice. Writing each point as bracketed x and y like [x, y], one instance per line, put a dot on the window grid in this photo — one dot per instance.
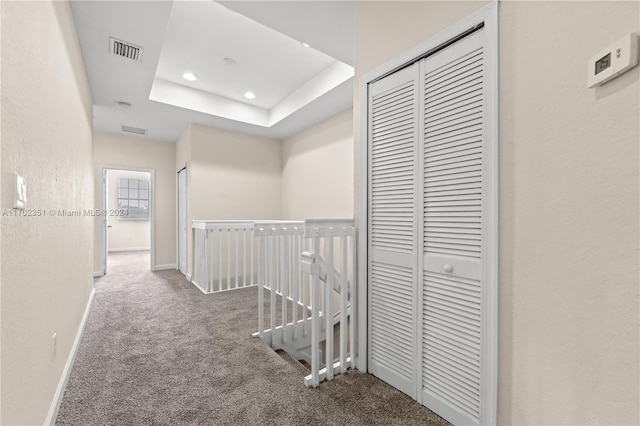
[133, 197]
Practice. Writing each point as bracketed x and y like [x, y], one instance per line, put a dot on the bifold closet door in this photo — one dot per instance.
[393, 231]
[431, 155]
[453, 114]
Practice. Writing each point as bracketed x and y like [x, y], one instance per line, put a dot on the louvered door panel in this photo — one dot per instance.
[393, 136]
[452, 185]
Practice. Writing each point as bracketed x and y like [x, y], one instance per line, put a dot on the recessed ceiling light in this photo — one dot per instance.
[229, 61]
[189, 76]
[305, 44]
[123, 104]
[250, 95]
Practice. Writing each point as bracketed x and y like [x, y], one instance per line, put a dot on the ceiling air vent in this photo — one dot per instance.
[136, 130]
[125, 49]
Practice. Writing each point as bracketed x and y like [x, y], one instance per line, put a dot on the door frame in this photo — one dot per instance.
[183, 167]
[103, 168]
[487, 16]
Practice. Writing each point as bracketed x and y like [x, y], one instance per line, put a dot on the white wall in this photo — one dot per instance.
[47, 260]
[126, 234]
[317, 170]
[131, 151]
[569, 210]
[234, 176]
[229, 176]
[569, 198]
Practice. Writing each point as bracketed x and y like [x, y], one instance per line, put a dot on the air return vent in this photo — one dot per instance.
[136, 130]
[125, 49]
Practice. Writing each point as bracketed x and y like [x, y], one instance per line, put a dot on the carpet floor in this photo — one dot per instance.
[156, 351]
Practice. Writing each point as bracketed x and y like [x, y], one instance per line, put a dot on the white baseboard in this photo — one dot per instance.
[129, 249]
[62, 384]
[188, 277]
[165, 267]
[98, 274]
[198, 287]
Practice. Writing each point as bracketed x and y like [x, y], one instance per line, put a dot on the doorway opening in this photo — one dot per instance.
[126, 217]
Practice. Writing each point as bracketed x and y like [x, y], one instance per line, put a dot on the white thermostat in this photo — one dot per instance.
[613, 61]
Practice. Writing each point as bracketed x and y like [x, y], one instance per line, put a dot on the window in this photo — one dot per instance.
[133, 196]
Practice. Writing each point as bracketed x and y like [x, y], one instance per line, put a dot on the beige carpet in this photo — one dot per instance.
[156, 351]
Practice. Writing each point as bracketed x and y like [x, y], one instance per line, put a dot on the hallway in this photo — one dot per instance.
[156, 350]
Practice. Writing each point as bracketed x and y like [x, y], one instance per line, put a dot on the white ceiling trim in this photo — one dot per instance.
[181, 96]
[174, 94]
[322, 83]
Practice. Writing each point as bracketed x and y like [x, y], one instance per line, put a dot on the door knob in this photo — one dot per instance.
[448, 268]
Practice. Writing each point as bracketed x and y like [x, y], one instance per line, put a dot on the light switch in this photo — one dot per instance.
[20, 197]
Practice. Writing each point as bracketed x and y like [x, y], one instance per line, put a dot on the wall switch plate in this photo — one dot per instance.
[609, 63]
[54, 345]
[20, 194]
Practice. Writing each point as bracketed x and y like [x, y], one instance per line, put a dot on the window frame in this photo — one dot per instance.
[128, 199]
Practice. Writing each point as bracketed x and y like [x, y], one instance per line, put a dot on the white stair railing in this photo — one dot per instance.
[280, 244]
[224, 257]
[338, 281]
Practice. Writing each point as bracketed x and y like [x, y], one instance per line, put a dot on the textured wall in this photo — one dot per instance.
[131, 151]
[569, 195]
[317, 170]
[47, 261]
[569, 218]
[235, 176]
[230, 176]
[126, 234]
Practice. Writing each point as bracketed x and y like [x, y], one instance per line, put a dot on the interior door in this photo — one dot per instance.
[453, 115]
[393, 141]
[182, 221]
[105, 220]
[431, 237]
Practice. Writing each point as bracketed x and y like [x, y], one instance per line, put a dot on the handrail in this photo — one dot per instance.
[308, 257]
[221, 224]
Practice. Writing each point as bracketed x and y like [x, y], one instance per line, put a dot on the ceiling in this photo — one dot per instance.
[233, 47]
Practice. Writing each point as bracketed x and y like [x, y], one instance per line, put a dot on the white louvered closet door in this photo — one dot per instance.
[393, 230]
[453, 114]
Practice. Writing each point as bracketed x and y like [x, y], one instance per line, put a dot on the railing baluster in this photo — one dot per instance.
[207, 267]
[343, 302]
[328, 314]
[244, 258]
[261, 277]
[284, 263]
[295, 282]
[219, 259]
[315, 323]
[196, 269]
[353, 293]
[251, 238]
[274, 250]
[236, 258]
[228, 259]
[305, 303]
